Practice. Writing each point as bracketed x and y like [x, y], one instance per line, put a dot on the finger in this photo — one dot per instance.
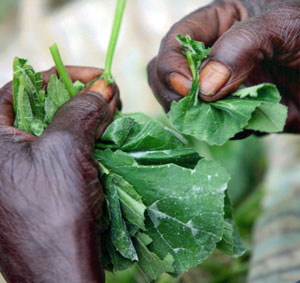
[205, 25]
[87, 114]
[85, 75]
[111, 95]
[76, 73]
[236, 53]
[162, 94]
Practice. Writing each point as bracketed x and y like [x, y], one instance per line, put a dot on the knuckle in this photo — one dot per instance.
[85, 107]
[172, 62]
[245, 43]
[284, 26]
[46, 74]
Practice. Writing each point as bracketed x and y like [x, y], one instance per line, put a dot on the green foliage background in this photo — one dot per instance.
[6, 6]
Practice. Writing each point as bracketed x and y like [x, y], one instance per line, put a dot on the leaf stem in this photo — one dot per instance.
[61, 69]
[107, 76]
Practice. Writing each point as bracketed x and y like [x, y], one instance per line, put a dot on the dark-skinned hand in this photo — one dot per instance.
[253, 41]
[50, 194]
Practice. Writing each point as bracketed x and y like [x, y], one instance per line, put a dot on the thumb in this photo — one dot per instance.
[88, 113]
[235, 54]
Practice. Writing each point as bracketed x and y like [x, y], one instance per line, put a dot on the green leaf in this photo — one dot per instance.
[144, 238]
[34, 109]
[188, 202]
[128, 135]
[57, 95]
[182, 157]
[133, 208]
[106, 218]
[231, 243]
[117, 133]
[78, 86]
[150, 264]
[28, 98]
[133, 229]
[268, 117]
[37, 127]
[262, 92]
[114, 159]
[114, 258]
[215, 122]
[23, 112]
[119, 233]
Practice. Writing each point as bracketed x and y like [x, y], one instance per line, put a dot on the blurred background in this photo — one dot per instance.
[81, 29]
[265, 184]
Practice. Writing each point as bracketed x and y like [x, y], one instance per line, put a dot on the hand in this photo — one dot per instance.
[50, 195]
[253, 41]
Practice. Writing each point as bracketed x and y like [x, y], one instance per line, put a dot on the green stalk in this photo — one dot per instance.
[62, 70]
[107, 76]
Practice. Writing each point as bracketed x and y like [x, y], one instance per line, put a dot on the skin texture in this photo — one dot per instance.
[50, 195]
[252, 41]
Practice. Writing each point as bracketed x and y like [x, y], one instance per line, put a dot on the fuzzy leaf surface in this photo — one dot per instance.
[185, 207]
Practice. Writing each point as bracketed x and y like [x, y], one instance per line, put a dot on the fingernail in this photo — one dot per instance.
[213, 77]
[180, 84]
[100, 86]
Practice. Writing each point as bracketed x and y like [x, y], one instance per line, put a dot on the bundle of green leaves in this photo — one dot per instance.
[166, 207]
[249, 108]
[35, 106]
